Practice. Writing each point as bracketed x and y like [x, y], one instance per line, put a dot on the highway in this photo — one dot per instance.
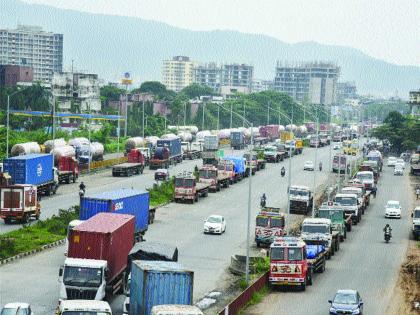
[175, 224]
[365, 262]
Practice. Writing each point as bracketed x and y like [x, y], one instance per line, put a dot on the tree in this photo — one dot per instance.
[157, 89]
[110, 93]
[395, 120]
[195, 90]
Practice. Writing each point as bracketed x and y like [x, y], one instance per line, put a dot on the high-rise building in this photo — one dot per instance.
[209, 74]
[31, 46]
[314, 82]
[346, 90]
[238, 75]
[178, 73]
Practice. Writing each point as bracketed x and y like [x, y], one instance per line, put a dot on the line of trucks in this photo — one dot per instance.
[294, 259]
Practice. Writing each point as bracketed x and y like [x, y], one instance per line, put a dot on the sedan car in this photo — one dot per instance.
[400, 162]
[337, 146]
[346, 302]
[308, 166]
[162, 174]
[393, 209]
[17, 309]
[391, 161]
[398, 170]
[215, 224]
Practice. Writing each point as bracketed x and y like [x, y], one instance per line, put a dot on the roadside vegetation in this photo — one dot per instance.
[161, 194]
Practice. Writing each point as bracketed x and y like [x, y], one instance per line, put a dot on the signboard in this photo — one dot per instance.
[127, 79]
[221, 153]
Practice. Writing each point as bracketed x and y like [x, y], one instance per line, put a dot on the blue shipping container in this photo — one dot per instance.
[239, 164]
[123, 201]
[157, 283]
[174, 146]
[33, 169]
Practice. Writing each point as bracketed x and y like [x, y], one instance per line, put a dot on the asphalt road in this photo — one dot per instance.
[365, 262]
[175, 224]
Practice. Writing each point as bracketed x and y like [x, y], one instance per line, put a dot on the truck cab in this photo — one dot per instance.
[359, 192]
[368, 180]
[228, 167]
[83, 307]
[301, 199]
[349, 202]
[209, 174]
[269, 224]
[83, 279]
[317, 231]
[416, 222]
[271, 155]
[187, 188]
[70, 227]
[251, 162]
[336, 214]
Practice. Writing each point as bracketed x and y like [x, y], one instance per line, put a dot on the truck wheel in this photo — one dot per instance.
[74, 178]
[48, 191]
[37, 215]
[196, 198]
[141, 169]
[218, 187]
[345, 233]
[227, 184]
[68, 180]
[25, 218]
[7, 220]
[337, 246]
[309, 279]
[258, 244]
[322, 267]
[303, 286]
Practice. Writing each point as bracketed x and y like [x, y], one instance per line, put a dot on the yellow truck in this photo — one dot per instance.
[286, 135]
[299, 145]
[353, 148]
[346, 146]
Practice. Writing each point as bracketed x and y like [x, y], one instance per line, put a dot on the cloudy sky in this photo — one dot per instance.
[385, 29]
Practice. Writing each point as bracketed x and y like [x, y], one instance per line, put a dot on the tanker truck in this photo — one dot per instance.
[92, 152]
[25, 149]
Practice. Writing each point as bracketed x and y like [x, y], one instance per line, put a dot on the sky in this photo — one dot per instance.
[385, 29]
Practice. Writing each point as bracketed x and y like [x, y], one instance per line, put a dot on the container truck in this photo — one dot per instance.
[189, 189]
[239, 166]
[237, 140]
[415, 164]
[191, 150]
[293, 262]
[97, 257]
[301, 199]
[134, 165]
[78, 307]
[167, 152]
[269, 224]
[158, 283]
[210, 150]
[121, 201]
[33, 169]
[211, 175]
[68, 169]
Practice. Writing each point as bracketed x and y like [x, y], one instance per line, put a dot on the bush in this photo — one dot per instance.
[161, 194]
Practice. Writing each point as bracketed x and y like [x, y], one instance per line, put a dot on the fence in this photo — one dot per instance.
[103, 164]
[242, 299]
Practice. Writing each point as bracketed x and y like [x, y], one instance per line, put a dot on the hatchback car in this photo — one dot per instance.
[391, 161]
[308, 166]
[215, 224]
[346, 302]
[398, 170]
[17, 309]
[162, 174]
[393, 209]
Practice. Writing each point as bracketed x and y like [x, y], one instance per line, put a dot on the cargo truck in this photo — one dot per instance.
[68, 169]
[298, 145]
[286, 135]
[228, 167]
[135, 165]
[350, 206]
[367, 178]
[340, 221]
[191, 151]
[415, 229]
[97, 257]
[318, 231]
[251, 164]
[239, 166]
[237, 140]
[157, 283]
[360, 197]
[78, 307]
[272, 154]
[269, 224]
[209, 174]
[415, 164]
[293, 262]
[339, 167]
[187, 188]
[33, 169]
[167, 152]
[122, 201]
[301, 200]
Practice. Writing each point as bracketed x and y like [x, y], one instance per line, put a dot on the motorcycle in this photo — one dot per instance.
[81, 193]
[262, 203]
[320, 167]
[283, 172]
[387, 236]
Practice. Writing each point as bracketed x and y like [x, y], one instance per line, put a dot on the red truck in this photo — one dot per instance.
[96, 264]
[135, 164]
[211, 175]
[68, 169]
[187, 188]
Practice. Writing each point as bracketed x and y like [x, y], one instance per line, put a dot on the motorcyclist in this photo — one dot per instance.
[320, 166]
[263, 200]
[82, 187]
[387, 229]
[283, 171]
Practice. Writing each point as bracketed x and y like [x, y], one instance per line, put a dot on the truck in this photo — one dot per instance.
[286, 135]
[361, 201]
[167, 152]
[269, 224]
[367, 178]
[97, 257]
[376, 155]
[157, 283]
[301, 199]
[121, 201]
[91, 152]
[318, 231]
[134, 165]
[77, 307]
[371, 166]
[415, 229]
[298, 145]
[191, 151]
[293, 262]
[238, 166]
[68, 169]
[314, 141]
[324, 139]
[350, 206]
[365, 193]
[354, 148]
[237, 140]
[210, 150]
[187, 188]
[18, 202]
[415, 164]
[272, 154]
[290, 147]
[339, 167]
[340, 221]
[33, 169]
[228, 167]
[209, 174]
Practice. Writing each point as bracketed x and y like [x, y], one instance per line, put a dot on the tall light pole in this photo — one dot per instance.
[316, 154]
[231, 112]
[268, 114]
[202, 123]
[218, 117]
[185, 114]
[143, 119]
[90, 144]
[249, 208]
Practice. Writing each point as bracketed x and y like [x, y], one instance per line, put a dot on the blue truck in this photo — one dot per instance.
[123, 201]
[237, 140]
[168, 151]
[238, 166]
[33, 169]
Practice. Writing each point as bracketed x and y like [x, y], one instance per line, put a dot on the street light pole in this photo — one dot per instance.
[185, 114]
[218, 117]
[231, 112]
[202, 124]
[249, 209]
[126, 111]
[7, 125]
[143, 119]
[268, 114]
[316, 154]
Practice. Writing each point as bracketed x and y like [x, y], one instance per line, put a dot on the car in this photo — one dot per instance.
[308, 166]
[161, 174]
[17, 309]
[215, 224]
[400, 162]
[346, 302]
[391, 161]
[398, 170]
[393, 209]
[337, 146]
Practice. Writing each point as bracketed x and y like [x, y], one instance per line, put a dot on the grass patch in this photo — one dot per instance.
[31, 237]
[258, 296]
[161, 194]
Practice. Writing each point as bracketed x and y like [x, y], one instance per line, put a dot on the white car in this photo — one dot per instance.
[393, 209]
[337, 146]
[308, 166]
[215, 224]
[392, 161]
[400, 162]
[398, 170]
[17, 309]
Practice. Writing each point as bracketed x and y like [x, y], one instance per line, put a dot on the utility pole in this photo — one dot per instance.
[249, 210]
[7, 125]
[143, 119]
[126, 110]
[202, 124]
[268, 114]
[218, 116]
[231, 112]
[185, 114]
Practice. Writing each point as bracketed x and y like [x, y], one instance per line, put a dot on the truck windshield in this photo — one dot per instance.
[277, 253]
[364, 176]
[297, 192]
[416, 214]
[189, 182]
[277, 222]
[85, 313]
[179, 182]
[323, 229]
[220, 167]
[294, 254]
[346, 201]
[262, 221]
[82, 276]
[208, 173]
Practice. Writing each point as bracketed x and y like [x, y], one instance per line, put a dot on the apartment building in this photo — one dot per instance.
[346, 90]
[209, 74]
[238, 75]
[178, 73]
[30, 46]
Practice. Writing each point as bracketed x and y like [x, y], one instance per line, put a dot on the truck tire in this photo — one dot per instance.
[303, 286]
[74, 178]
[8, 221]
[258, 244]
[141, 169]
[322, 267]
[218, 187]
[68, 180]
[345, 233]
[337, 246]
[25, 218]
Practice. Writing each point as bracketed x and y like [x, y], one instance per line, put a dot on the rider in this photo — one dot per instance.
[387, 229]
[320, 166]
[263, 199]
[82, 186]
[283, 170]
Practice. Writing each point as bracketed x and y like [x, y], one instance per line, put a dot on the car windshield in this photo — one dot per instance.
[346, 201]
[277, 253]
[277, 222]
[85, 313]
[82, 276]
[295, 253]
[13, 311]
[262, 221]
[323, 229]
[393, 205]
[345, 298]
[214, 220]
